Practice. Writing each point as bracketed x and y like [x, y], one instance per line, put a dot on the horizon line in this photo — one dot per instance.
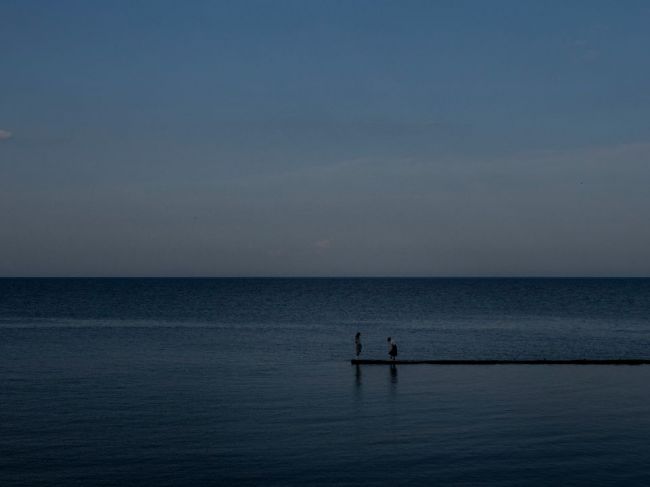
[333, 277]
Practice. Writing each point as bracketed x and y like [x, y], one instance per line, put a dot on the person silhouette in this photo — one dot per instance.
[392, 348]
[357, 344]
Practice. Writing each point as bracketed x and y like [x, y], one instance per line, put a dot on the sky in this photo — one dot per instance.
[324, 138]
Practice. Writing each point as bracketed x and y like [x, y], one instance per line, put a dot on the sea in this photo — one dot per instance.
[248, 382]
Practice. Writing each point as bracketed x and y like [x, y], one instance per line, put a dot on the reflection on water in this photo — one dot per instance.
[392, 371]
[357, 375]
[393, 374]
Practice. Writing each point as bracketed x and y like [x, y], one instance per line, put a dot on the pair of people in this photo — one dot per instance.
[392, 346]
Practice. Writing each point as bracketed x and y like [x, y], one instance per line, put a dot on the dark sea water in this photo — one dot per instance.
[248, 382]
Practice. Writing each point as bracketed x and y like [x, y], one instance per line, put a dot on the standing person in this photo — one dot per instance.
[357, 344]
[392, 348]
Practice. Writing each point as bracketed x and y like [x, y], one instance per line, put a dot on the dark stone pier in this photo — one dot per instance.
[505, 362]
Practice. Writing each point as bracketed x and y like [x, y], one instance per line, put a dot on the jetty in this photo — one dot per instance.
[505, 362]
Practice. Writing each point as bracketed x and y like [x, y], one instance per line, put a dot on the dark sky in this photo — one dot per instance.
[324, 138]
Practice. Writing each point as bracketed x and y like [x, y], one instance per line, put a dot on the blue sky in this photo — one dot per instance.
[324, 138]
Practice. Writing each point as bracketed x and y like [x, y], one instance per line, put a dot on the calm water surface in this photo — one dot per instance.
[248, 382]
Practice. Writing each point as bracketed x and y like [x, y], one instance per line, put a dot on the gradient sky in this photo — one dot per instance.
[432, 138]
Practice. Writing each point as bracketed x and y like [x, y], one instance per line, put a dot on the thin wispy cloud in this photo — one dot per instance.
[323, 244]
[585, 50]
[342, 126]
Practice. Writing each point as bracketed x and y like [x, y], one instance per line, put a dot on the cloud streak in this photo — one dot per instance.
[5, 134]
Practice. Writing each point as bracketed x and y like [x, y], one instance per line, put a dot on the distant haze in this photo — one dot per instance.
[322, 138]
